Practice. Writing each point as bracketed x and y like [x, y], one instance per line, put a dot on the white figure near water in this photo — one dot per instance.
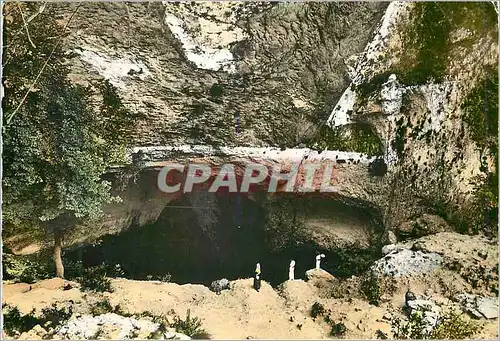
[318, 261]
[291, 271]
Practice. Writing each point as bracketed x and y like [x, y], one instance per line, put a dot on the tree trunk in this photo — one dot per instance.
[57, 255]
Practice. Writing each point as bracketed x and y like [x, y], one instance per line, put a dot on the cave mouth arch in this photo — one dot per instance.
[201, 237]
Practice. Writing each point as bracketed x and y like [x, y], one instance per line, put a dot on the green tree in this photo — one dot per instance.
[57, 141]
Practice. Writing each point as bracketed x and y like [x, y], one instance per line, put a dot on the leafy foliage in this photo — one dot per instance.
[371, 289]
[479, 214]
[191, 326]
[54, 316]
[427, 42]
[26, 269]
[356, 137]
[481, 110]
[451, 326]
[338, 329]
[101, 307]
[58, 142]
[353, 261]
[15, 323]
[96, 278]
[317, 310]
[414, 328]
[165, 278]
[481, 117]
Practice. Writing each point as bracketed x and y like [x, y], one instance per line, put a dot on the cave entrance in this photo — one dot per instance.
[201, 236]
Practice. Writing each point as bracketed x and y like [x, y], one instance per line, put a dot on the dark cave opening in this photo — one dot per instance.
[201, 237]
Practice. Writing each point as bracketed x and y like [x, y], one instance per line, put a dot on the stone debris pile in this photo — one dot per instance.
[113, 326]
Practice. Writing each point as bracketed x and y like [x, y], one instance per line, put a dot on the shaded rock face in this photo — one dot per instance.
[143, 201]
[199, 237]
[423, 225]
[435, 160]
[233, 231]
[219, 74]
[281, 65]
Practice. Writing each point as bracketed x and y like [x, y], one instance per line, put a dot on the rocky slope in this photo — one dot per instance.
[241, 312]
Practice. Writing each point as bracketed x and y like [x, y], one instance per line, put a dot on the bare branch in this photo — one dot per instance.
[25, 25]
[40, 10]
[44, 65]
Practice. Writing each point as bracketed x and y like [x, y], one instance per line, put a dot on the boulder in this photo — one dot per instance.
[405, 262]
[389, 237]
[429, 310]
[219, 285]
[319, 274]
[36, 333]
[424, 225]
[479, 306]
[386, 249]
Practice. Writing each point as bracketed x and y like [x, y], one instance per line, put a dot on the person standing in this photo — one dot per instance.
[291, 271]
[318, 261]
[256, 279]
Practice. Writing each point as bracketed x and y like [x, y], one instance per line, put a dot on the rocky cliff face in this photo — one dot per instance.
[411, 87]
[191, 68]
[427, 84]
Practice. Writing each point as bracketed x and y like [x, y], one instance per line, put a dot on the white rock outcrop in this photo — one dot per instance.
[407, 262]
[479, 306]
[112, 326]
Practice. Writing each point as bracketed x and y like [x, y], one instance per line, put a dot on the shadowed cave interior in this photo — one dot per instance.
[201, 237]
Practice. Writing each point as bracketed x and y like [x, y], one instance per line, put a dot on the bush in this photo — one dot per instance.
[381, 335]
[54, 316]
[154, 317]
[317, 310]
[15, 323]
[95, 279]
[338, 329]
[190, 327]
[450, 326]
[119, 311]
[27, 269]
[353, 261]
[165, 278]
[101, 307]
[414, 328]
[453, 326]
[370, 287]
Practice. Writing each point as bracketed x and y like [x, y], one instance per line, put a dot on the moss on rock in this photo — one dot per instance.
[356, 137]
[427, 42]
